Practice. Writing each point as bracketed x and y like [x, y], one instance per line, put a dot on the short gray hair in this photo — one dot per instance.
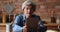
[27, 2]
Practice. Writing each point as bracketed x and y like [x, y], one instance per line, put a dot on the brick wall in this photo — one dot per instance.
[45, 8]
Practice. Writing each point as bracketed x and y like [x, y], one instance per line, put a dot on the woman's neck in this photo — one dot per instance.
[28, 15]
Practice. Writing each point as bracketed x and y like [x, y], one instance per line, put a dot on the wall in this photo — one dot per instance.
[45, 8]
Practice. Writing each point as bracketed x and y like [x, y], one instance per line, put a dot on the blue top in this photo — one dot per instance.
[20, 21]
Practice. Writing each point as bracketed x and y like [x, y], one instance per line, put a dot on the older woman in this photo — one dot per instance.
[29, 8]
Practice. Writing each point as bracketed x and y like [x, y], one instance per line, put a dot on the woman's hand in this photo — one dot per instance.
[25, 28]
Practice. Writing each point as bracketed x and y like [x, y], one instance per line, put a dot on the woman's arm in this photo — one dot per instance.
[43, 28]
[15, 26]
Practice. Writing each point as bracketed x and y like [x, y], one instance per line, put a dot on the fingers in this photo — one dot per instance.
[24, 29]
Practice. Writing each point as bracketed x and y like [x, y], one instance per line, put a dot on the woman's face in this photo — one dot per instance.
[28, 10]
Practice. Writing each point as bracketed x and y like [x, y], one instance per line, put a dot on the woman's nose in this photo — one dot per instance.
[29, 10]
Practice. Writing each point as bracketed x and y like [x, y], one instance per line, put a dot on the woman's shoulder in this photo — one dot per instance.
[19, 15]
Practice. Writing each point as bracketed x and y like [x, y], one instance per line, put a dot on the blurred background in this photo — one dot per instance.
[48, 10]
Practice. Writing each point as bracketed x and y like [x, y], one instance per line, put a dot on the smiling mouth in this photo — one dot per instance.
[28, 13]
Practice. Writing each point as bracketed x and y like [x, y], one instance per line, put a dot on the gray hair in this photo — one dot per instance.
[27, 2]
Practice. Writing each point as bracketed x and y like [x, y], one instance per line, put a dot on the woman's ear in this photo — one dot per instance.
[23, 8]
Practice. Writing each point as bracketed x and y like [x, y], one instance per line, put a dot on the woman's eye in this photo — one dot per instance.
[27, 8]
